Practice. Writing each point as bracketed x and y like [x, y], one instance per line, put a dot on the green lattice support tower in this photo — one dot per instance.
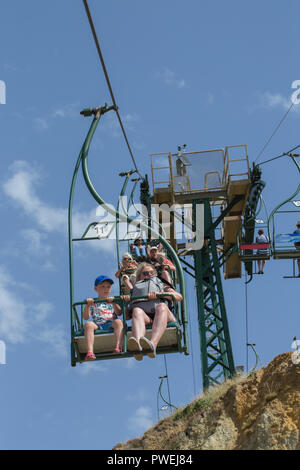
[216, 351]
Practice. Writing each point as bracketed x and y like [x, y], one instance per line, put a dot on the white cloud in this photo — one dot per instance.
[54, 338]
[111, 125]
[171, 79]
[88, 367]
[41, 311]
[67, 111]
[71, 110]
[13, 312]
[35, 242]
[210, 98]
[269, 100]
[138, 395]
[130, 363]
[141, 420]
[22, 322]
[21, 188]
[40, 124]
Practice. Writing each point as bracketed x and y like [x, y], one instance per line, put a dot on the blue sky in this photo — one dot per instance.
[208, 74]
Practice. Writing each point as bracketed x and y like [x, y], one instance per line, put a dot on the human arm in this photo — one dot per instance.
[169, 265]
[148, 250]
[175, 295]
[86, 311]
[117, 309]
[118, 273]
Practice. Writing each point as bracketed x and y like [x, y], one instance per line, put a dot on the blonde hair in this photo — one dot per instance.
[141, 267]
[127, 255]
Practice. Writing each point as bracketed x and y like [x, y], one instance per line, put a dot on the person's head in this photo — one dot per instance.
[153, 252]
[126, 258]
[138, 241]
[103, 286]
[298, 224]
[260, 232]
[145, 271]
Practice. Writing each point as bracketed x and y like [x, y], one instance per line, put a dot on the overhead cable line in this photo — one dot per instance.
[108, 82]
[274, 132]
[279, 156]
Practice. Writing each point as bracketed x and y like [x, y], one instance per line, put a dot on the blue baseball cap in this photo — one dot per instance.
[102, 278]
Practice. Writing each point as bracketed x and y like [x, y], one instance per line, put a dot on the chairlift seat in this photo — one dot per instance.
[254, 256]
[104, 342]
[286, 254]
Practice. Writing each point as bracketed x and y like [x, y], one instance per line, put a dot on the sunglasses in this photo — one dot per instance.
[147, 273]
[126, 259]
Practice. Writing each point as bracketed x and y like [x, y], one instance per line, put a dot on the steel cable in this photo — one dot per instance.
[274, 132]
[108, 82]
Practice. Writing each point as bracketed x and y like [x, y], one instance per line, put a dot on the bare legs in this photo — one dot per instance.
[140, 319]
[89, 333]
[261, 264]
[118, 332]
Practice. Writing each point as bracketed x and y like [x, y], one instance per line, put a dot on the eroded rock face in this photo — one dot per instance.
[258, 412]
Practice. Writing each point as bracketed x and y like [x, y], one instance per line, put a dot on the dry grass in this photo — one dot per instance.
[207, 398]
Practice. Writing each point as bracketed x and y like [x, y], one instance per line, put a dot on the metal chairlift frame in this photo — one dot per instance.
[284, 253]
[75, 320]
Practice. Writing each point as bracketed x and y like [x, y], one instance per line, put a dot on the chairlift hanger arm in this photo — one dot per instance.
[271, 218]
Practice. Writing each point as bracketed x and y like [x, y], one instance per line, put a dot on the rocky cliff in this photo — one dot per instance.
[254, 412]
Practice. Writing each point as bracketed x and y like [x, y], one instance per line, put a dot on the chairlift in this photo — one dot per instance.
[175, 338]
[283, 245]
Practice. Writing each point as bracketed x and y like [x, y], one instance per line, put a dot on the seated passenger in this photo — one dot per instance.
[152, 310]
[127, 272]
[297, 245]
[261, 238]
[139, 249]
[154, 242]
[103, 316]
[161, 264]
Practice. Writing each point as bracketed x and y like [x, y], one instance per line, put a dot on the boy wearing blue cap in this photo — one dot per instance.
[102, 315]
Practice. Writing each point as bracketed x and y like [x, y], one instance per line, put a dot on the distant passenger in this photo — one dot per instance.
[139, 249]
[261, 238]
[103, 316]
[154, 242]
[297, 245]
[127, 272]
[161, 264]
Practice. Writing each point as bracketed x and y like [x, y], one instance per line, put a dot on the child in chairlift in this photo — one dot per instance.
[103, 316]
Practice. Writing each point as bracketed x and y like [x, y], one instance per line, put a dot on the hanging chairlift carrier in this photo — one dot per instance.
[175, 338]
[282, 245]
